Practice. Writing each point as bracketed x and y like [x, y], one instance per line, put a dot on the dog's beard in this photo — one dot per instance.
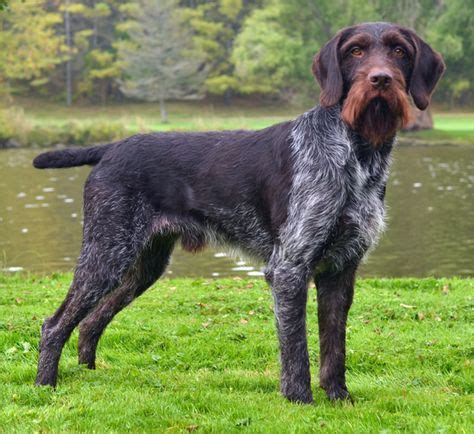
[376, 115]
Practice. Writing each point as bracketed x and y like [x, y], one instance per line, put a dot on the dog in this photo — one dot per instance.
[305, 196]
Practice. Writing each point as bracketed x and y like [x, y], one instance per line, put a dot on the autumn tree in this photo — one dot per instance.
[30, 48]
[90, 33]
[216, 24]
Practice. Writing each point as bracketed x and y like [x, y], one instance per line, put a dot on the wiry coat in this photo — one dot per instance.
[306, 197]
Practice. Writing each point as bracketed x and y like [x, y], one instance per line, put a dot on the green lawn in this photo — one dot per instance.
[193, 115]
[449, 128]
[201, 355]
[454, 128]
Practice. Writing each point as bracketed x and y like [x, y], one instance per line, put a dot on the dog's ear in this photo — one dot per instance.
[327, 70]
[428, 68]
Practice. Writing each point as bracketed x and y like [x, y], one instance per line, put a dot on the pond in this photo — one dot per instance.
[430, 232]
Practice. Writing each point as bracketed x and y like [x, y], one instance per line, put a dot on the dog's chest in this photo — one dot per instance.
[365, 207]
[362, 219]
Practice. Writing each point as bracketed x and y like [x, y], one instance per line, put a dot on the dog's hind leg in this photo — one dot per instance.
[87, 289]
[150, 266]
[115, 231]
[335, 293]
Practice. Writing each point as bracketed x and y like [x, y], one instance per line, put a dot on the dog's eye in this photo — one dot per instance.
[399, 51]
[357, 51]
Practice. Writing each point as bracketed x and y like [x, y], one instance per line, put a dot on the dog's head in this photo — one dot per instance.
[372, 68]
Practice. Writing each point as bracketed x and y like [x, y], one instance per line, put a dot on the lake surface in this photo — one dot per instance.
[430, 232]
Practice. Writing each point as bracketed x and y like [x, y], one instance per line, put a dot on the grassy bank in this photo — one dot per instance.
[201, 355]
[44, 123]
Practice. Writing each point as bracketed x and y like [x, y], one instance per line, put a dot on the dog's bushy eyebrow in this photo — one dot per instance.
[360, 39]
[393, 38]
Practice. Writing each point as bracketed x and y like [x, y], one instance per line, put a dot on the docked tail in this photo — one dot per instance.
[70, 157]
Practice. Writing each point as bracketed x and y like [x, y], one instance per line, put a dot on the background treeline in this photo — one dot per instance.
[157, 50]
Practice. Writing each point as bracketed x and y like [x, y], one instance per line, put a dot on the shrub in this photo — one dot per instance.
[97, 132]
[14, 125]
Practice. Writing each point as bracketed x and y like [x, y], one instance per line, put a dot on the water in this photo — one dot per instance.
[430, 229]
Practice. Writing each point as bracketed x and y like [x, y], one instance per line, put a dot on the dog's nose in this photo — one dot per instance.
[380, 79]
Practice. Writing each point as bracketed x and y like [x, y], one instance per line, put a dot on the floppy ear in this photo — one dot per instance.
[327, 70]
[427, 70]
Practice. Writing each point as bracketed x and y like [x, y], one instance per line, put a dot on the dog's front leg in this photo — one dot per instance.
[335, 293]
[289, 284]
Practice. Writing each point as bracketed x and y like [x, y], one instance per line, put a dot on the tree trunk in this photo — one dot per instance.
[164, 113]
[67, 25]
[103, 85]
[228, 94]
[421, 120]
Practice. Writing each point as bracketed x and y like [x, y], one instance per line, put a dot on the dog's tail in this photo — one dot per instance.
[70, 157]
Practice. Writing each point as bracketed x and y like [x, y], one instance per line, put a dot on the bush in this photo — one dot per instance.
[15, 127]
[43, 137]
[86, 134]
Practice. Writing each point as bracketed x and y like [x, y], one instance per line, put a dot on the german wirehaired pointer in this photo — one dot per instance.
[305, 196]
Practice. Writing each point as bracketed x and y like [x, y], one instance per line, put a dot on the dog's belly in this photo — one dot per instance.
[239, 228]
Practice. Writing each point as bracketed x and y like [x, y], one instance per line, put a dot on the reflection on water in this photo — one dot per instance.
[430, 228]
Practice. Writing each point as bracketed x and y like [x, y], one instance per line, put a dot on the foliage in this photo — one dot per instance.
[265, 53]
[29, 46]
[93, 53]
[245, 47]
[216, 24]
[19, 129]
[201, 355]
[452, 37]
[158, 57]
[442, 23]
[14, 125]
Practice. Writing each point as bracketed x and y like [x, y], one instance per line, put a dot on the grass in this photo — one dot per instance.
[201, 355]
[450, 128]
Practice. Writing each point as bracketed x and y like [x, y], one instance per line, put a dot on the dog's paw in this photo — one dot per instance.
[86, 358]
[46, 379]
[338, 394]
[298, 394]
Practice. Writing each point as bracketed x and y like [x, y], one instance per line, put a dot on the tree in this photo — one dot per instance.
[279, 40]
[29, 46]
[285, 35]
[216, 24]
[451, 32]
[263, 49]
[90, 33]
[158, 58]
